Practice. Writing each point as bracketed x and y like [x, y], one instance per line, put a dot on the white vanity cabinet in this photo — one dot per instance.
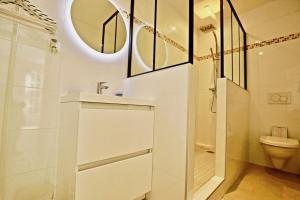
[105, 147]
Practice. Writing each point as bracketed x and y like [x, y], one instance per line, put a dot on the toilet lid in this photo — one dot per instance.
[279, 141]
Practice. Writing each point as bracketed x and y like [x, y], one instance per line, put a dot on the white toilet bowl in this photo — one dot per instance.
[280, 149]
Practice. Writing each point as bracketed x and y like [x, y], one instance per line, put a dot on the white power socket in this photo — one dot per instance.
[280, 98]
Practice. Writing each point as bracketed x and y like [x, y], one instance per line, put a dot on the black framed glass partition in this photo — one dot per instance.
[233, 45]
[161, 35]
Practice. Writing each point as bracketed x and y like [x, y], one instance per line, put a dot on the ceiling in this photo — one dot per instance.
[243, 6]
[203, 16]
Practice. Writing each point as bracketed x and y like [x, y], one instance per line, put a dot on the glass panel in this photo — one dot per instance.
[235, 52]
[161, 56]
[227, 41]
[31, 118]
[145, 45]
[242, 60]
[6, 31]
[170, 46]
[173, 24]
[6, 35]
[143, 37]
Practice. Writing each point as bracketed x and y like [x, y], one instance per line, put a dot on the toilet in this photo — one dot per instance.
[279, 147]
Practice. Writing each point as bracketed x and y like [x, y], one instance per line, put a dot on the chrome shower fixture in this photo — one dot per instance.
[54, 45]
[208, 28]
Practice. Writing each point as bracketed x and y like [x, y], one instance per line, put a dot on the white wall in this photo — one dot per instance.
[81, 69]
[237, 131]
[276, 70]
[206, 120]
[169, 88]
[233, 118]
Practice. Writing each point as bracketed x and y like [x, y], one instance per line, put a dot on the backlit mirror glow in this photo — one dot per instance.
[99, 24]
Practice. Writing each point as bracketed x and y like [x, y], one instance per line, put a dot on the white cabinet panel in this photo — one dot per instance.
[107, 133]
[124, 180]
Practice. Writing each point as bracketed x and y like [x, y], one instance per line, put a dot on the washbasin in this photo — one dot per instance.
[101, 98]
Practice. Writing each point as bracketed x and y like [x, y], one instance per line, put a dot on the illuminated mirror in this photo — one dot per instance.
[99, 24]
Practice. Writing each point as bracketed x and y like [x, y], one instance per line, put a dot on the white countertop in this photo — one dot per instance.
[107, 99]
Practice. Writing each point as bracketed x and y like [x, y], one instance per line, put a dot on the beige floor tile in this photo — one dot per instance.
[204, 167]
[259, 183]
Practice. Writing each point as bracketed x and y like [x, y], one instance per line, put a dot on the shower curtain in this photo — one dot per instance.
[29, 93]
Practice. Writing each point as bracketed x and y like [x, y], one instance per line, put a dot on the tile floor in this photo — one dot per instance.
[261, 183]
[204, 167]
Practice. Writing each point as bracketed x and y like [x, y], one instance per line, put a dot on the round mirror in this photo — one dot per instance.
[145, 39]
[99, 24]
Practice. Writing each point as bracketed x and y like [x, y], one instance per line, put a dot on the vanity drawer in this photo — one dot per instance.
[107, 133]
[123, 180]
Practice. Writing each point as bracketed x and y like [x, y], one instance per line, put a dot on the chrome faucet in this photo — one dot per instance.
[101, 86]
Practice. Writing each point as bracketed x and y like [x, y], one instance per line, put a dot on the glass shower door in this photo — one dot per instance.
[6, 30]
[30, 115]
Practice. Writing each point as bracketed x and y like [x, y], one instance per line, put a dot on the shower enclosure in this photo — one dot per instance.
[209, 35]
[29, 91]
[220, 49]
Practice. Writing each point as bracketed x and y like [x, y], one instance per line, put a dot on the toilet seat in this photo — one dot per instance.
[279, 141]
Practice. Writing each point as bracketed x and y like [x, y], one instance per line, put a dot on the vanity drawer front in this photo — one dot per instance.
[105, 133]
[123, 180]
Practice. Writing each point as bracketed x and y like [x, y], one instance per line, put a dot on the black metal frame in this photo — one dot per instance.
[233, 13]
[114, 15]
[190, 35]
[191, 41]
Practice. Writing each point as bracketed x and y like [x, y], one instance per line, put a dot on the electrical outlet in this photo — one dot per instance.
[280, 98]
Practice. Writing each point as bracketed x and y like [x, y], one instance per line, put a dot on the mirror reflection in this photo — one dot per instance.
[144, 42]
[99, 24]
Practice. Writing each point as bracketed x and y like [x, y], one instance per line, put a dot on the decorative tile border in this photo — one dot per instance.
[150, 29]
[255, 45]
[277, 40]
[33, 11]
[273, 41]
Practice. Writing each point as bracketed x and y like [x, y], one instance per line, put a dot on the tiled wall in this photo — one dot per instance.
[274, 67]
[276, 70]
[206, 120]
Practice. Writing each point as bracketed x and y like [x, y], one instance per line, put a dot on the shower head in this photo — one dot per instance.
[207, 28]
[210, 28]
